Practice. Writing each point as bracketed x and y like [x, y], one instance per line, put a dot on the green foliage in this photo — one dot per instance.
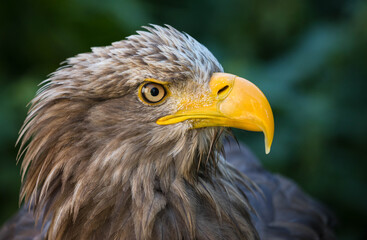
[309, 58]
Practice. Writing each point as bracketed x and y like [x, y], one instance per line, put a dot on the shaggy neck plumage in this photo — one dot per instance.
[81, 179]
[83, 183]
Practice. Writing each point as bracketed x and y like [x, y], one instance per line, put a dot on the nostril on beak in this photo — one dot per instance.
[222, 90]
[221, 85]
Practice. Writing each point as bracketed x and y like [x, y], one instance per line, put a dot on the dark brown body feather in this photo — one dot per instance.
[283, 210]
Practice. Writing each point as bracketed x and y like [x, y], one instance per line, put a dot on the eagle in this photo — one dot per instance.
[133, 141]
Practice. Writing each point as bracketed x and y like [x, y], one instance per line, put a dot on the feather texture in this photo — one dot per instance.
[96, 166]
[281, 210]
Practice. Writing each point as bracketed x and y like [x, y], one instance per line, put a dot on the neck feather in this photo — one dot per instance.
[82, 179]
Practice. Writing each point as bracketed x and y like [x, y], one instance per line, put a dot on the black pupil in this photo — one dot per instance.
[154, 91]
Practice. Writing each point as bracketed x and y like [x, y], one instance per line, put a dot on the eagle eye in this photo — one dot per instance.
[152, 93]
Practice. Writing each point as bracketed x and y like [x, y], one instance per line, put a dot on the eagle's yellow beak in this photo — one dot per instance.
[232, 102]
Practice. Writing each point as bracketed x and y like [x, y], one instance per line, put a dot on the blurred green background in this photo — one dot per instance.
[308, 56]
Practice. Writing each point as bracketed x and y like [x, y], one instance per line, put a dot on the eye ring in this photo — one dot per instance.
[152, 93]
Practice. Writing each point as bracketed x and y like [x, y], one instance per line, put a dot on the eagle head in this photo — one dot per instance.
[124, 139]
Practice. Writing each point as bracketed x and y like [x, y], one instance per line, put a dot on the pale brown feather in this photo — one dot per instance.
[98, 166]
